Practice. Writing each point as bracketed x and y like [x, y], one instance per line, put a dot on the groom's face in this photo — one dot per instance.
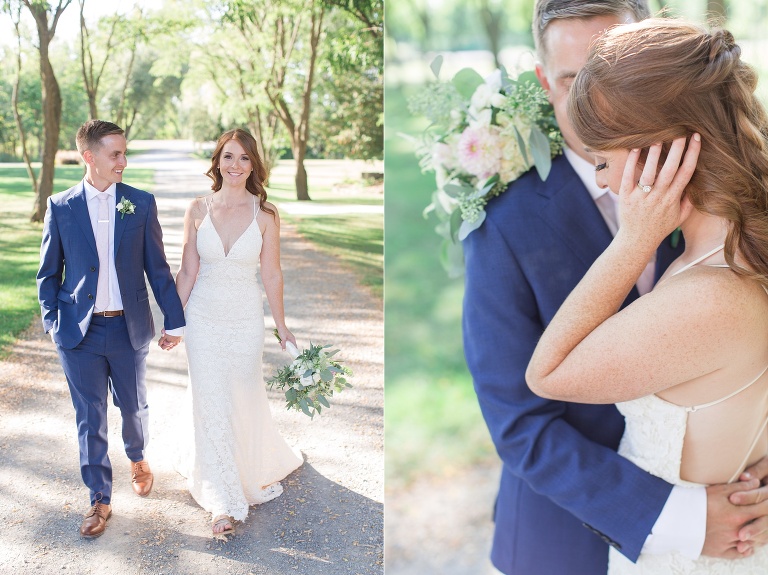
[106, 162]
[567, 46]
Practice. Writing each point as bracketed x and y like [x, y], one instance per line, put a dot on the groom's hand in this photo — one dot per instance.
[754, 533]
[725, 520]
[167, 342]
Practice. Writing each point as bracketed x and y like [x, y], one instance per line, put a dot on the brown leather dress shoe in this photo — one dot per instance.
[141, 478]
[95, 522]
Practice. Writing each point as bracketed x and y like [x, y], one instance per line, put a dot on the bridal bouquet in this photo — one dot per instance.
[310, 379]
[484, 134]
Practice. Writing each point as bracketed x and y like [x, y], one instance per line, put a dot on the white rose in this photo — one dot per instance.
[493, 81]
[481, 119]
[498, 100]
[482, 97]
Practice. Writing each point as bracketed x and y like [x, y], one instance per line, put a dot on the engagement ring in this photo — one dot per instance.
[646, 189]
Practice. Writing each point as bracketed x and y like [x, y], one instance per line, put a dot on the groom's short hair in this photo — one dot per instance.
[545, 11]
[90, 134]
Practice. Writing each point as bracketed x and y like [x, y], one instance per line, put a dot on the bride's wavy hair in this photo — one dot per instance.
[662, 79]
[259, 176]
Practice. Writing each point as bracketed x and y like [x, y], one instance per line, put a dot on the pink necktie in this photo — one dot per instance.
[102, 247]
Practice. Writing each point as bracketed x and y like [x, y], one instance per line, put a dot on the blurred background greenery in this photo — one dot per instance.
[434, 428]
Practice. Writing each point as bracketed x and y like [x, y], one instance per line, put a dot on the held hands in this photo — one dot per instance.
[647, 217]
[737, 514]
[168, 342]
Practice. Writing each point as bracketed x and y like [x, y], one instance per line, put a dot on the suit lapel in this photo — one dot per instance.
[120, 222]
[570, 212]
[78, 203]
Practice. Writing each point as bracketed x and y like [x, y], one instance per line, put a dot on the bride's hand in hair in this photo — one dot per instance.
[649, 215]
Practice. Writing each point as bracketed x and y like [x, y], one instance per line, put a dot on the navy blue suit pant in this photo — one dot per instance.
[105, 361]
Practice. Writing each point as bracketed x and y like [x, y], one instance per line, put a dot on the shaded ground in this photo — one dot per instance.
[328, 521]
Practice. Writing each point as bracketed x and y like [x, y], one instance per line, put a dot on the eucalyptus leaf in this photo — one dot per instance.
[466, 81]
[324, 401]
[290, 395]
[452, 258]
[455, 223]
[468, 227]
[326, 375]
[528, 77]
[436, 65]
[521, 145]
[541, 152]
[455, 190]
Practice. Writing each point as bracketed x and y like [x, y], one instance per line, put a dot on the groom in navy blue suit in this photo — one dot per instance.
[100, 238]
[565, 494]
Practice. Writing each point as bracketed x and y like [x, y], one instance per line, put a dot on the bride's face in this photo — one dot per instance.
[234, 164]
[609, 168]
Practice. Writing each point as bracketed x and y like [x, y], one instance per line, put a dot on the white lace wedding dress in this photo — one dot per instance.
[653, 440]
[232, 453]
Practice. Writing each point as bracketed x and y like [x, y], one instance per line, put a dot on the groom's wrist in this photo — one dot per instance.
[176, 332]
[682, 524]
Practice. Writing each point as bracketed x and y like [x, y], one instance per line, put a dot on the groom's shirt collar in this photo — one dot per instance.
[91, 192]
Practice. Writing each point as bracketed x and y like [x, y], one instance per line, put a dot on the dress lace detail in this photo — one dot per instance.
[653, 440]
[231, 453]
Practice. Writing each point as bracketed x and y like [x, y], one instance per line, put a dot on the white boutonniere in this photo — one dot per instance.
[125, 206]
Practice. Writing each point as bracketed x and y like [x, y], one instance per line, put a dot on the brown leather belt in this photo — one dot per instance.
[109, 313]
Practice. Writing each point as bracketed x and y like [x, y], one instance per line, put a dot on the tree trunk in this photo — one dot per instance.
[51, 101]
[51, 125]
[302, 188]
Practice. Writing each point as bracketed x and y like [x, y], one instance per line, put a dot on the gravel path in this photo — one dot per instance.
[328, 521]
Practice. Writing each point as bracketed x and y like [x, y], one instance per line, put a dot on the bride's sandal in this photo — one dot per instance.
[225, 523]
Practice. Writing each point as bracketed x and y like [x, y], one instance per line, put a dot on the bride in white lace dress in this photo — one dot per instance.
[235, 457]
[687, 363]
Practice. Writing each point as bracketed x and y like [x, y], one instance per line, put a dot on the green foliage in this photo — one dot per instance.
[349, 94]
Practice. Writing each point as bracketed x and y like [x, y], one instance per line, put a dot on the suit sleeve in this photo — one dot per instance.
[532, 435]
[49, 275]
[159, 272]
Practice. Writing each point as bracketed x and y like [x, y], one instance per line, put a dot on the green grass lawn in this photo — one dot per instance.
[355, 239]
[20, 246]
[433, 422]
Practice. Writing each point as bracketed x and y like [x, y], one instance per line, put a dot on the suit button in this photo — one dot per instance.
[90, 296]
[93, 268]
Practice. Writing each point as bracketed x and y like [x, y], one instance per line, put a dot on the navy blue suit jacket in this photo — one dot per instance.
[69, 268]
[564, 491]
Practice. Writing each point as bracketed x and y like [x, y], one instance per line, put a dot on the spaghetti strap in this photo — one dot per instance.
[694, 408]
[749, 452]
[701, 259]
[207, 205]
